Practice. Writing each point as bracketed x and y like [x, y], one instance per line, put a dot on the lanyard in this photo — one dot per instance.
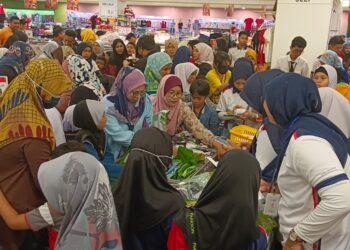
[192, 228]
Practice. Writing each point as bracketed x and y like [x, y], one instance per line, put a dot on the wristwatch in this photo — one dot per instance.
[294, 237]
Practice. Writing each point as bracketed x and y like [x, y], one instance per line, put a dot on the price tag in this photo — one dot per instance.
[272, 204]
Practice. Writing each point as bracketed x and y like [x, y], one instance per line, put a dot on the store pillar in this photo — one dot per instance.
[315, 20]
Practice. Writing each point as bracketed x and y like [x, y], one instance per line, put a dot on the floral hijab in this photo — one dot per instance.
[155, 63]
[81, 73]
[77, 185]
[18, 56]
[331, 58]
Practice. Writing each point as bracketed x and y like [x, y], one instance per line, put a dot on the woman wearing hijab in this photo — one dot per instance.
[187, 72]
[80, 93]
[327, 76]
[88, 35]
[79, 212]
[336, 108]
[90, 117]
[86, 52]
[15, 60]
[234, 189]
[182, 56]
[48, 49]
[81, 73]
[145, 201]
[119, 55]
[98, 49]
[313, 161]
[204, 56]
[266, 142]
[171, 46]
[230, 101]
[168, 97]
[346, 55]
[61, 53]
[26, 138]
[128, 109]
[251, 54]
[158, 66]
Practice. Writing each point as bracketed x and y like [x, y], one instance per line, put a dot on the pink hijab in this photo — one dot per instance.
[159, 102]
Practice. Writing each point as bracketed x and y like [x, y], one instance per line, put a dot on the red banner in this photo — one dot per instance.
[206, 10]
[72, 5]
[51, 4]
[31, 4]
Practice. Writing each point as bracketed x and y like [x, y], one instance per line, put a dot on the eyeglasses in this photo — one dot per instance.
[175, 94]
[138, 93]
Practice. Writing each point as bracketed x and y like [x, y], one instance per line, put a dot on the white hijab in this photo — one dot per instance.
[332, 75]
[206, 54]
[183, 71]
[336, 108]
[3, 52]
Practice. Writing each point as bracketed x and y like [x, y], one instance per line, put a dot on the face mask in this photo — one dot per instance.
[166, 168]
[223, 69]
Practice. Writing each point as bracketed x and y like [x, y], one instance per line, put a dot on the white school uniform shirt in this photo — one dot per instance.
[264, 152]
[55, 119]
[228, 100]
[300, 65]
[310, 162]
[236, 53]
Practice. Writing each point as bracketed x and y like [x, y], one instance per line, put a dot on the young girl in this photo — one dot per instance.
[90, 117]
[230, 101]
[187, 72]
[219, 76]
[85, 50]
[79, 205]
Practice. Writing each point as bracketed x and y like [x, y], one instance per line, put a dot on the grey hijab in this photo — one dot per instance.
[76, 185]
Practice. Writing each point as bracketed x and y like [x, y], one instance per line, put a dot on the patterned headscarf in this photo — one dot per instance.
[127, 80]
[81, 73]
[155, 63]
[331, 58]
[18, 56]
[77, 185]
[21, 105]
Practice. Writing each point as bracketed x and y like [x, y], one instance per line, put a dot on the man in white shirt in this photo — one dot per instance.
[241, 48]
[293, 62]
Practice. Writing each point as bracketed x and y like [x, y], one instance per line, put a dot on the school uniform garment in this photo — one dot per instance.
[209, 118]
[182, 56]
[215, 83]
[55, 119]
[5, 34]
[236, 53]
[313, 160]
[184, 71]
[299, 66]
[344, 89]
[234, 188]
[228, 100]
[146, 212]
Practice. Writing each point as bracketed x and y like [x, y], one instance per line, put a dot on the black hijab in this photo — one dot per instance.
[226, 211]
[80, 48]
[82, 93]
[143, 197]
[115, 58]
[82, 118]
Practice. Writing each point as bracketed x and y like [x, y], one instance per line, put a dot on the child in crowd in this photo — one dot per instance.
[293, 62]
[219, 76]
[89, 115]
[85, 50]
[73, 182]
[241, 48]
[106, 80]
[207, 115]
[230, 100]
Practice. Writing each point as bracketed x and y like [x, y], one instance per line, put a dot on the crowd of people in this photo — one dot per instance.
[69, 113]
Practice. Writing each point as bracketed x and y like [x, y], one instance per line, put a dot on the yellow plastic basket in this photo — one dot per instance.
[242, 133]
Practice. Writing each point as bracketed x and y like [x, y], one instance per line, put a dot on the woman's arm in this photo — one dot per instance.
[13, 220]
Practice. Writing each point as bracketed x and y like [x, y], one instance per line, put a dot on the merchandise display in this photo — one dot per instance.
[183, 125]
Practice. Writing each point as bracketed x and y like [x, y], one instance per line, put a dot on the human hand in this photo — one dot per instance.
[293, 245]
[246, 146]
[64, 101]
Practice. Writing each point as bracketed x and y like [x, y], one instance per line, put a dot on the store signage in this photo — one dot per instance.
[108, 8]
[3, 84]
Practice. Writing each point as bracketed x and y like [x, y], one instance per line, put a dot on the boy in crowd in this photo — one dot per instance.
[106, 80]
[207, 115]
[69, 39]
[241, 48]
[293, 62]
[146, 46]
[336, 44]
[131, 38]
[58, 35]
[7, 32]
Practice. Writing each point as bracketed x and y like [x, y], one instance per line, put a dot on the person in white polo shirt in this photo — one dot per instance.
[313, 167]
[293, 62]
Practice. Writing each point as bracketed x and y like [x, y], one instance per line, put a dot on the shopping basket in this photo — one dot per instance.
[242, 133]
